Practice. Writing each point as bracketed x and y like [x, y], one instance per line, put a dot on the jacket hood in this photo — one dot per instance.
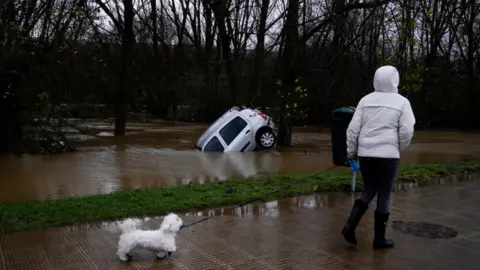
[386, 79]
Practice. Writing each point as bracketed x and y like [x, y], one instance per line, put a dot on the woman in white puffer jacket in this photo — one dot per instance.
[383, 124]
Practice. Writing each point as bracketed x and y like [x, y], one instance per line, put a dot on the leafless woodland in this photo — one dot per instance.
[190, 59]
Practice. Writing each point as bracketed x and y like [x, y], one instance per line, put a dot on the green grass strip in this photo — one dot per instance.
[42, 214]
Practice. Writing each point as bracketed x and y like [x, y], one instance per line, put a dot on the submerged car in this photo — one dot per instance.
[240, 129]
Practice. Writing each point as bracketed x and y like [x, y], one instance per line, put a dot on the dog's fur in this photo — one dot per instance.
[161, 241]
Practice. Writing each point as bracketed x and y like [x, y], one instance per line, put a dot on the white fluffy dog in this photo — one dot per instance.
[161, 241]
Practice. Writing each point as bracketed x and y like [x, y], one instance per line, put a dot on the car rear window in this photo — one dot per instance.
[214, 145]
[231, 130]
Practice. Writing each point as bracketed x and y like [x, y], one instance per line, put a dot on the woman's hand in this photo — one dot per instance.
[351, 157]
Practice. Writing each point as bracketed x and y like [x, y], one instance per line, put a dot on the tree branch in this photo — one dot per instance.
[349, 7]
[109, 13]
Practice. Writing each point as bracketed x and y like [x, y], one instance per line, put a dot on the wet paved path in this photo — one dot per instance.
[299, 233]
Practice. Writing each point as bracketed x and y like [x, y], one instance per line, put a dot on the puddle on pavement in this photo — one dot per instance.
[324, 200]
[159, 155]
[270, 209]
[273, 209]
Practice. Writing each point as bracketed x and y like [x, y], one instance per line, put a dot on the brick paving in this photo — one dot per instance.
[298, 233]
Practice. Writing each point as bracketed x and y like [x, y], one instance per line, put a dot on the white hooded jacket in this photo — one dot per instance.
[383, 122]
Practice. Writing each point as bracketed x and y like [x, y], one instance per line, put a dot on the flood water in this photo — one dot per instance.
[162, 154]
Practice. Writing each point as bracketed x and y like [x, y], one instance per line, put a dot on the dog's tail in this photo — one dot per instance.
[128, 225]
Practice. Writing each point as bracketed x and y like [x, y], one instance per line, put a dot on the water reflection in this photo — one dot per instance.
[331, 199]
[270, 209]
[155, 159]
[327, 201]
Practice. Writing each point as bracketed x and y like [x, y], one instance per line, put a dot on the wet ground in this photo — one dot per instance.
[298, 233]
[162, 154]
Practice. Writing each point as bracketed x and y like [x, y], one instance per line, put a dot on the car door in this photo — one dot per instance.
[237, 135]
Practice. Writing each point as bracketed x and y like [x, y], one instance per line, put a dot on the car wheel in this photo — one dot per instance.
[265, 138]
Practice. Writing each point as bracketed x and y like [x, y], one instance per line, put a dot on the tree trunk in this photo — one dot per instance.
[220, 12]
[289, 71]
[336, 49]
[128, 40]
[256, 87]
[207, 60]
[154, 30]
[470, 65]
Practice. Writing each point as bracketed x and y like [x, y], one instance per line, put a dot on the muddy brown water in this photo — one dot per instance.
[162, 154]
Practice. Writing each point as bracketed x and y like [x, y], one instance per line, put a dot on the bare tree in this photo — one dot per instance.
[189, 59]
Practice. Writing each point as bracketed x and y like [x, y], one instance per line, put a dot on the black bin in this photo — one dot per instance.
[341, 118]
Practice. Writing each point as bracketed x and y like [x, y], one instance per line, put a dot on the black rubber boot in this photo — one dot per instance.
[380, 225]
[358, 210]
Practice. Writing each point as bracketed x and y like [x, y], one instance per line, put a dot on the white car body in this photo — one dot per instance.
[240, 129]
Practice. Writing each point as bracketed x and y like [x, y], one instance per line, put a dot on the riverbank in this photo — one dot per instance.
[36, 215]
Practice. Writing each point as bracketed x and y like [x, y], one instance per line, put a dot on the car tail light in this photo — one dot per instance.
[263, 116]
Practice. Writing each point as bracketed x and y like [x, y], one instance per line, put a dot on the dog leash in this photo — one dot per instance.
[248, 202]
[241, 205]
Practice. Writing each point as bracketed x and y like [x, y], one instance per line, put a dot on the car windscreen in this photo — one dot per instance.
[214, 145]
[231, 130]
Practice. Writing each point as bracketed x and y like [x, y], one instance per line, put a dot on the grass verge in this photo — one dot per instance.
[42, 214]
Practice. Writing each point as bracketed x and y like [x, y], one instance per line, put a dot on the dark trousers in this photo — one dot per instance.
[378, 179]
